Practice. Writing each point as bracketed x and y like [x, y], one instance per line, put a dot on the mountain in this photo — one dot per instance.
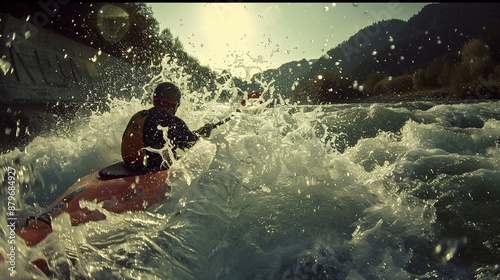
[282, 79]
[359, 47]
[344, 59]
[394, 47]
[438, 30]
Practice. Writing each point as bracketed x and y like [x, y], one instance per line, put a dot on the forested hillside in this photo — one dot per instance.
[448, 51]
[125, 30]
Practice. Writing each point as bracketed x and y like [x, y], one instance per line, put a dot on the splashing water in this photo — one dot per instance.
[357, 191]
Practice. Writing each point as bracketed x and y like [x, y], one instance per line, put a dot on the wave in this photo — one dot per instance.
[396, 191]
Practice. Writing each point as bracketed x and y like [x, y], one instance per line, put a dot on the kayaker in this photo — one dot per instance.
[143, 141]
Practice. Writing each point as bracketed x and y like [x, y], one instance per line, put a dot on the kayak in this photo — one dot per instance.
[117, 187]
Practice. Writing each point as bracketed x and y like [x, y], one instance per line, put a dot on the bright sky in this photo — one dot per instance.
[248, 37]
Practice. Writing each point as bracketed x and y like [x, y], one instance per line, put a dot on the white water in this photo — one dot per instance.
[359, 191]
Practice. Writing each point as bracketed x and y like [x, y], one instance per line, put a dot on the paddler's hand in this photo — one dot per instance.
[205, 130]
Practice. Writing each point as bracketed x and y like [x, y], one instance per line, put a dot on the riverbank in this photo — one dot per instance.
[430, 95]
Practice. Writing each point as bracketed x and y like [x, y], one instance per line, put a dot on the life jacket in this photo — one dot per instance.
[133, 152]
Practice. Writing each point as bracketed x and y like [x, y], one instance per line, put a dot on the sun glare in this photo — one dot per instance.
[228, 29]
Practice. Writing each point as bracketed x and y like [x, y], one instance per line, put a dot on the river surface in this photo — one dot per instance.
[353, 191]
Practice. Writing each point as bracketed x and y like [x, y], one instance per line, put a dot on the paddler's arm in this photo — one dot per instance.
[183, 138]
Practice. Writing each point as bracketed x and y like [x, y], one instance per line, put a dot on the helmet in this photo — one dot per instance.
[166, 93]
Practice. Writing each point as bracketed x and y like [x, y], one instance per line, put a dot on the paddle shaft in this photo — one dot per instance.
[222, 121]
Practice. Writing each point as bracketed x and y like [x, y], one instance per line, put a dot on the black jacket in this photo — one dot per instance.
[143, 131]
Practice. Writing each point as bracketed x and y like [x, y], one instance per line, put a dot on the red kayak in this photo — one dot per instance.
[119, 189]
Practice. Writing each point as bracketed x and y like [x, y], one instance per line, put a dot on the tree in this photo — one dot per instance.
[476, 57]
[419, 79]
[400, 84]
[371, 81]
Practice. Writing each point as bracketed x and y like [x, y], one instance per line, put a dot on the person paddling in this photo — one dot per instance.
[143, 149]
[143, 140]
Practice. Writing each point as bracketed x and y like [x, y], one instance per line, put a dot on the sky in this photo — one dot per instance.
[247, 38]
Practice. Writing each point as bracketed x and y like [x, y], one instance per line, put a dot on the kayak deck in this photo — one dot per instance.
[120, 169]
[117, 187]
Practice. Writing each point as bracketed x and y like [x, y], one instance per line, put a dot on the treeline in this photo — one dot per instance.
[125, 30]
[447, 51]
[470, 73]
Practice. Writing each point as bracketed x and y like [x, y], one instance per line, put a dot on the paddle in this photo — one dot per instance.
[253, 95]
[222, 121]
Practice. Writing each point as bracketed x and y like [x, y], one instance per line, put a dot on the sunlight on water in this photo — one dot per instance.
[358, 191]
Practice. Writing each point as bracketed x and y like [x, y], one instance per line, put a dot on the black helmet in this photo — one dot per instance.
[167, 93]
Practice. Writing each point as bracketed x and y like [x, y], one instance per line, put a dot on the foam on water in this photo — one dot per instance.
[358, 191]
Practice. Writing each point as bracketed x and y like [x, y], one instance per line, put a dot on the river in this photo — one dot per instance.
[407, 190]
